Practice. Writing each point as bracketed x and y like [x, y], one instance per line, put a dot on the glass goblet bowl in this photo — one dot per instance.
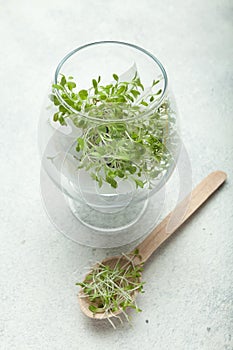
[108, 138]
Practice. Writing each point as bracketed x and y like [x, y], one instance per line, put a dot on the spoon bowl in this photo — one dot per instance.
[112, 262]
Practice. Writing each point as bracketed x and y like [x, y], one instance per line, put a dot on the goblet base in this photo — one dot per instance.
[108, 230]
[122, 218]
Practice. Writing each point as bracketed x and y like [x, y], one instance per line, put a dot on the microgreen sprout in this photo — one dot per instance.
[111, 289]
[120, 142]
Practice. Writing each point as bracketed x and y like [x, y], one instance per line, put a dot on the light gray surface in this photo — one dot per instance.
[188, 300]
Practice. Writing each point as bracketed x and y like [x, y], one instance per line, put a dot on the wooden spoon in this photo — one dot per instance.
[161, 233]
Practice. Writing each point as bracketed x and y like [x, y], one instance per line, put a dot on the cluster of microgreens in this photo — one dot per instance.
[111, 289]
[117, 141]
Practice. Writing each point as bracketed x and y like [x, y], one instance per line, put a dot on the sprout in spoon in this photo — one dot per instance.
[110, 288]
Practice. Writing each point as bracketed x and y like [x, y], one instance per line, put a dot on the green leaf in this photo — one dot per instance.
[111, 181]
[71, 85]
[121, 127]
[159, 92]
[107, 88]
[62, 109]
[120, 90]
[144, 103]
[134, 135]
[63, 80]
[136, 251]
[138, 82]
[55, 117]
[155, 82]
[89, 277]
[55, 100]
[135, 93]
[131, 168]
[139, 183]
[92, 308]
[121, 98]
[78, 106]
[115, 77]
[80, 144]
[83, 94]
[120, 173]
[103, 97]
[100, 181]
[58, 87]
[94, 83]
[94, 177]
[130, 97]
[81, 284]
[99, 78]
[62, 120]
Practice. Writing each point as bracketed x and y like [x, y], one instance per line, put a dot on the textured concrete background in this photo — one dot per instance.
[188, 301]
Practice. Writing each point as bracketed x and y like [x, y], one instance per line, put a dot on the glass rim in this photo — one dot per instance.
[154, 105]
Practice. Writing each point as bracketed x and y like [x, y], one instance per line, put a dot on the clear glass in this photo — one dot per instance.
[111, 158]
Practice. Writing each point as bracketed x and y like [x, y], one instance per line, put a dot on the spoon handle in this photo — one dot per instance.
[181, 213]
